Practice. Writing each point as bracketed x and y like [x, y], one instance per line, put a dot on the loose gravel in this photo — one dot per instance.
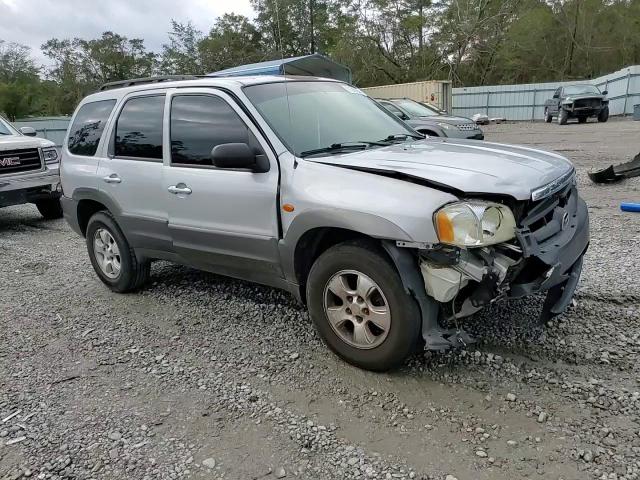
[200, 376]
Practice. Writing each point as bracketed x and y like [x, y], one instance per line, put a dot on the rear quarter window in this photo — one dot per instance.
[87, 127]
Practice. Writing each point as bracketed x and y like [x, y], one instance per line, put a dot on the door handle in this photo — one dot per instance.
[113, 178]
[181, 188]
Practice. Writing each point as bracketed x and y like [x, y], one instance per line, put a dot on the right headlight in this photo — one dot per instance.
[474, 223]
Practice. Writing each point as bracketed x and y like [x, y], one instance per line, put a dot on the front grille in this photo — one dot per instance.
[549, 222]
[467, 127]
[16, 161]
[587, 103]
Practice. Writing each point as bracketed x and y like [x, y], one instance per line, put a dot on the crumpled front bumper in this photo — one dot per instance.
[558, 257]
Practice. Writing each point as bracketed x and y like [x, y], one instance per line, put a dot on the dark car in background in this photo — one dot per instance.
[577, 101]
[430, 120]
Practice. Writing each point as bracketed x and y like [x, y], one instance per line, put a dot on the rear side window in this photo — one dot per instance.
[198, 124]
[87, 128]
[139, 128]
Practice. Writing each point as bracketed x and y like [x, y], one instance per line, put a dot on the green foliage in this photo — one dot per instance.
[471, 42]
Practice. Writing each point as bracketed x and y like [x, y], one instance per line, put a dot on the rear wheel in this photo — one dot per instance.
[582, 119]
[50, 209]
[563, 116]
[547, 116]
[111, 256]
[603, 116]
[360, 308]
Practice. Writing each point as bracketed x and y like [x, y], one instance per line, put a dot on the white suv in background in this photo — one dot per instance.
[28, 170]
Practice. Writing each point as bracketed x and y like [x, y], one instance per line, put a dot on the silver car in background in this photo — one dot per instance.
[431, 121]
[309, 185]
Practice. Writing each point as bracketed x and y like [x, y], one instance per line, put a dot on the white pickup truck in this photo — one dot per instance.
[29, 170]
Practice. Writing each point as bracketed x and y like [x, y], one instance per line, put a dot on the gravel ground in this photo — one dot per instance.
[200, 376]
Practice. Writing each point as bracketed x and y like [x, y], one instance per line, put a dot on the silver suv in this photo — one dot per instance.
[28, 170]
[308, 185]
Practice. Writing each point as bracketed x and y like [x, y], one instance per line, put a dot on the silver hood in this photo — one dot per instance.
[468, 166]
[12, 142]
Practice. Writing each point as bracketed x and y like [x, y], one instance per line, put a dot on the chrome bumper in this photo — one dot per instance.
[25, 181]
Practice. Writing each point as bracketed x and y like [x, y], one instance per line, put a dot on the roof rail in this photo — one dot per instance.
[145, 80]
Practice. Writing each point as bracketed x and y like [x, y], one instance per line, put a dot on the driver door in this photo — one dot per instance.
[222, 220]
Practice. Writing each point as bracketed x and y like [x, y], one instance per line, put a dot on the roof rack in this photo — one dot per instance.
[145, 80]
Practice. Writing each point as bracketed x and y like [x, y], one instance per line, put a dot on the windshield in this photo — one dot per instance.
[581, 90]
[320, 115]
[6, 128]
[416, 109]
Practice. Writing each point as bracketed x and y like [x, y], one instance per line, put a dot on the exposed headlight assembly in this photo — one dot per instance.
[474, 223]
[446, 126]
[50, 155]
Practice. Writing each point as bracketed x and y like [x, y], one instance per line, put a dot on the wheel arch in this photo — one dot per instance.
[312, 233]
[90, 201]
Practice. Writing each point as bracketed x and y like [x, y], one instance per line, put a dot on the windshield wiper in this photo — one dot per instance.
[337, 147]
[402, 137]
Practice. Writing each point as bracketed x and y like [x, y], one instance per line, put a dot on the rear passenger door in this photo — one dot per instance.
[131, 174]
[219, 219]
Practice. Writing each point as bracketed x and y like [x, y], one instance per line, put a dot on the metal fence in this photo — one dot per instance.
[526, 102]
[51, 128]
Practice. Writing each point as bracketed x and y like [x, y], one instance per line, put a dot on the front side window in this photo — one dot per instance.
[309, 115]
[393, 109]
[87, 127]
[139, 128]
[198, 124]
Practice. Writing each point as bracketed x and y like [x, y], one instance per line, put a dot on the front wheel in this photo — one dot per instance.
[547, 115]
[563, 116]
[50, 209]
[360, 308]
[111, 256]
[603, 116]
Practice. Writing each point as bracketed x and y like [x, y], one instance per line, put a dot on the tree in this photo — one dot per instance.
[232, 41]
[182, 56]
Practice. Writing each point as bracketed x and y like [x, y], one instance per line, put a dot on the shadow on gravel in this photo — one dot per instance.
[24, 218]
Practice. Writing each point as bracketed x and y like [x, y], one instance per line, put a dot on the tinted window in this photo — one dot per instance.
[199, 123]
[139, 128]
[88, 125]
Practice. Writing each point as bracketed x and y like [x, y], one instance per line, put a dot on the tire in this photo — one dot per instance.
[50, 209]
[132, 274]
[603, 116]
[368, 261]
[547, 116]
[582, 119]
[563, 116]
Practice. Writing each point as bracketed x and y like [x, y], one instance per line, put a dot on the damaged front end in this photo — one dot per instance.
[551, 237]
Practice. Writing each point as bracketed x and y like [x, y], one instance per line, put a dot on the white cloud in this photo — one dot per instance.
[33, 22]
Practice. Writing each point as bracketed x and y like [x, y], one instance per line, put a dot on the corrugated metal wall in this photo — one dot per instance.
[526, 102]
[51, 128]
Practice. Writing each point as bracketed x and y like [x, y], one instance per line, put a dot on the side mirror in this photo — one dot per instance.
[28, 131]
[239, 155]
[605, 92]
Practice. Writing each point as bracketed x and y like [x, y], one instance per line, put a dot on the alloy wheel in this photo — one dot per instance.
[357, 309]
[107, 253]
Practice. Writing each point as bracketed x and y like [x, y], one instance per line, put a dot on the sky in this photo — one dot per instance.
[33, 22]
